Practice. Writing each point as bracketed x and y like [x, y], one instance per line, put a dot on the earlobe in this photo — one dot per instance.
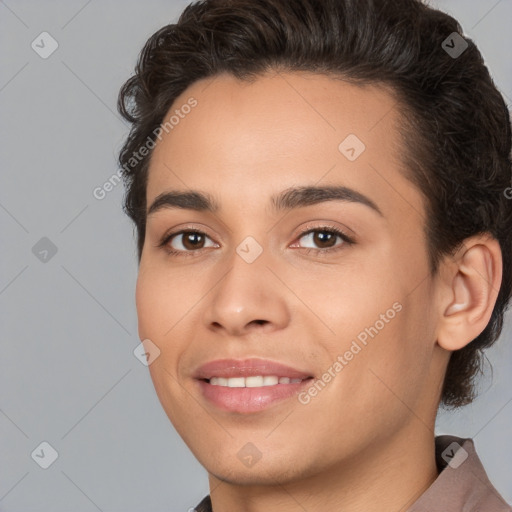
[472, 290]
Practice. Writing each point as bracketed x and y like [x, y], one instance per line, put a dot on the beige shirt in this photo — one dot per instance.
[462, 484]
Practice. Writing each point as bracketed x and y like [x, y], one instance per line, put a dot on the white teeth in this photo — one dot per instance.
[236, 382]
[270, 380]
[254, 381]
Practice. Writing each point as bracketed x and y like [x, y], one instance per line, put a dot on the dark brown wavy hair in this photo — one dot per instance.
[455, 124]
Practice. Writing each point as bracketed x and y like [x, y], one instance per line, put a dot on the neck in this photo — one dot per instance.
[390, 477]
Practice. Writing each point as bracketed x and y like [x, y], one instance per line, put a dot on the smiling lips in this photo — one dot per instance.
[249, 385]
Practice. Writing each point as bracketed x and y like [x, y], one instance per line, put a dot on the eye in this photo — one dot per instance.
[186, 241]
[323, 239]
[320, 240]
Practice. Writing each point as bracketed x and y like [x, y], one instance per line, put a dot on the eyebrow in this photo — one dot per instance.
[298, 197]
[291, 198]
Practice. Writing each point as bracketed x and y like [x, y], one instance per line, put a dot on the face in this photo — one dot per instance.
[296, 268]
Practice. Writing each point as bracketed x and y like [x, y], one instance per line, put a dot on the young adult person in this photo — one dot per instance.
[319, 189]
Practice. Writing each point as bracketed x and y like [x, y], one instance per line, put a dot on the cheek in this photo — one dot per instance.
[160, 305]
[382, 332]
[393, 366]
[349, 301]
[145, 302]
[161, 300]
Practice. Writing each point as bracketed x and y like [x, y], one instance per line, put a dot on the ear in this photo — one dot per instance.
[470, 284]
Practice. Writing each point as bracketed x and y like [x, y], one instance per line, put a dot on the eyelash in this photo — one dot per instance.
[307, 250]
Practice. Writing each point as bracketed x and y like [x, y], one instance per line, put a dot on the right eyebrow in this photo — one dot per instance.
[185, 200]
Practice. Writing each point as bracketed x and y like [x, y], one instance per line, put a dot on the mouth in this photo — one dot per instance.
[250, 385]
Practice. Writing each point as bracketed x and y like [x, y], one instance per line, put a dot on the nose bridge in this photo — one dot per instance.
[246, 295]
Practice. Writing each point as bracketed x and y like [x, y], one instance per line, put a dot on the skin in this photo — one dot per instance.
[356, 445]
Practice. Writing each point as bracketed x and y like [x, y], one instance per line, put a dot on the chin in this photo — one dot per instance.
[270, 469]
[264, 475]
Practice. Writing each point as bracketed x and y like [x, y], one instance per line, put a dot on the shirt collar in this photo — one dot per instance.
[462, 483]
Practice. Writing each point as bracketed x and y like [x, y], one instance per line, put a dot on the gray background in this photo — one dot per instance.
[68, 375]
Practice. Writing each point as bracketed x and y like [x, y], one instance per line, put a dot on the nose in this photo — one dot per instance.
[248, 298]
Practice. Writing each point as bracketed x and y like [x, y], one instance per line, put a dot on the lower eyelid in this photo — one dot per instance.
[323, 252]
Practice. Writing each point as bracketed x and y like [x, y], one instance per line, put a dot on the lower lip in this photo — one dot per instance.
[246, 400]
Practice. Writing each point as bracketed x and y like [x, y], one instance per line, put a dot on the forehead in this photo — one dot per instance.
[249, 139]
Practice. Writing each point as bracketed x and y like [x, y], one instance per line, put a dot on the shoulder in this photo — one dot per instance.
[462, 483]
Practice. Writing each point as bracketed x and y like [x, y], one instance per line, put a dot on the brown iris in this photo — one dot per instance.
[324, 238]
[193, 240]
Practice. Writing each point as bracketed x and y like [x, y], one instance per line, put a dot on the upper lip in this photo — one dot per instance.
[228, 368]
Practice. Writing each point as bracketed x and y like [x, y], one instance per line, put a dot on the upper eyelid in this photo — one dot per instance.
[337, 231]
[169, 234]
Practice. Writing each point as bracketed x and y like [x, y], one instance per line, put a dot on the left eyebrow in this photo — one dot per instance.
[299, 197]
